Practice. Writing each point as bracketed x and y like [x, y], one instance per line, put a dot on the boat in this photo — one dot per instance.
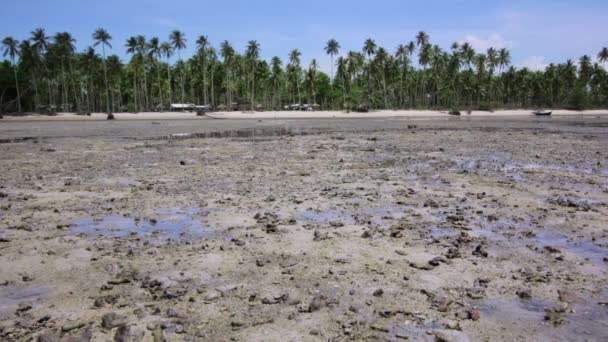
[542, 112]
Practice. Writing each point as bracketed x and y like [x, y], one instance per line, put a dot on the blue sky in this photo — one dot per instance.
[537, 32]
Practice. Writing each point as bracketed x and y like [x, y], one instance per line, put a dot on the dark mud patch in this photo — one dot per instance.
[248, 133]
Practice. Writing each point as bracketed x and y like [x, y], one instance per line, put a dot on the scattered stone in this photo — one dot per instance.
[112, 320]
[524, 293]
[127, 333]
[480, 251]
[72, 326]
[378, 293]
[568, 296]
[316, 303]
[449, 336]
[474, 314]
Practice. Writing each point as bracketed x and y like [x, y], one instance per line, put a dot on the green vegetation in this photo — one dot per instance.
[45, 73]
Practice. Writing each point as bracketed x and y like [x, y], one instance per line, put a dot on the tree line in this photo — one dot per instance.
[47, 74]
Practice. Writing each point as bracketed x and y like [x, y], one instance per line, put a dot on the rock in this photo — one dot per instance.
[72, 326]
[557, 315]
[524, 293]
[568, 296]
[23, 307]
[474, 314]
[378, 293]
[451, 324]
[212, 295]
[442, 303]
[182, 162]
[127, 333]
[422, 265]
[449, 336]
[318, 236]
[48, 337]
[453, 253]
[112, 320]
[480, 251]
[316, 303]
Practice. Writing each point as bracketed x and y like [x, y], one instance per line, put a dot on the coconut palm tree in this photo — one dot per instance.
[369, 48]
[227, 52]
[155, 53]
[11, 49]
[332, 48]
[178, 40]
[422, 39]
[167, 50]
[603, 56]
[253, 53]
[294, 60]
[39, 45]
[276, 66]
[203, 44]
[101, 36]
[504, 59]
[382, 58]
[343, 74]
[142, 52]
[132, 48]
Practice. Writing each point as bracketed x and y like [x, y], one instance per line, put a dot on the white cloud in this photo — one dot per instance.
[535, 63]
[482, 44]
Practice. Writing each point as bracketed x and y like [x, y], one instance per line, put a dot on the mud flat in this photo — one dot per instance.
[305, 230]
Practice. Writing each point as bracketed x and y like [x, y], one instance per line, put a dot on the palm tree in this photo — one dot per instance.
[294, 60]
[178, 40]
[132, 48]
[155, 52]
[11, 48]
[253, 53]
[167, 50]
[332, 48]
[369, 48]
[382, 58]
[142, 51]
[603, 56]
[227, 52]
[203, 43]
[342, 71]
[422, 38]
[504, 58]
[102, 37]
[39, 46]
[277, 72]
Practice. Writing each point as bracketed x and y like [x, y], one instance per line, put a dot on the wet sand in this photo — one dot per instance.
[452, 229]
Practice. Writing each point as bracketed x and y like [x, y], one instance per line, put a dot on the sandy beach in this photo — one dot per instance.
[294, 115]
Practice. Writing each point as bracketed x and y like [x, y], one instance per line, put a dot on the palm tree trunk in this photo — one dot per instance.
[17, 86]
[253, 87]
[169, 81]
[105, 76]
[145, 92]
[160, 91]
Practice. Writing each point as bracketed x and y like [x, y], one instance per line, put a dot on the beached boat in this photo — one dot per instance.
[542, 112]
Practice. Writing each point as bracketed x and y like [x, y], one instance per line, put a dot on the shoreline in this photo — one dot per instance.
[289, 115]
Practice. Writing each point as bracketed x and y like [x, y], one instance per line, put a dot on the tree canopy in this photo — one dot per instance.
[46, 72]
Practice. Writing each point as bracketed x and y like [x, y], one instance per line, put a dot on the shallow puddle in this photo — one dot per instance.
[584, 249]
[586, 320]
[10, 297]
[170, 223]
